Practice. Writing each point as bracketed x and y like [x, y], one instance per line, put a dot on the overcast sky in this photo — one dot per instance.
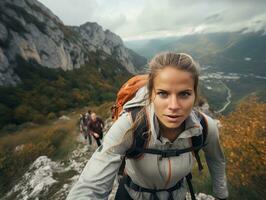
[140, 19]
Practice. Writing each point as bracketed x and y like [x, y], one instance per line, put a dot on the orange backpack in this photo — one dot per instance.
[127, 92]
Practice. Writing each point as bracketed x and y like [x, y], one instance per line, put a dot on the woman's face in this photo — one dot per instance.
[173, 96]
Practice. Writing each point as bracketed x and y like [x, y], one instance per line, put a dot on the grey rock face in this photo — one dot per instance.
[30, 30]
[3, 33]
[7, 76]
[94, 36]
[3, 62]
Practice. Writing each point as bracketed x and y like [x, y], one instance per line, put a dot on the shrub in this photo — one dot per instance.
[51, 115]
[44, 90]
[58, 136]
[243, 136]
[5, 114]
[10, 128]
[23, 113]
[17, 152]
[38, 118]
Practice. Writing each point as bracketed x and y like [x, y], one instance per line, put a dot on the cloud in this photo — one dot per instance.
[73, 12]
[152, 18]
[112, 22]
[214, 18]
[174, 17]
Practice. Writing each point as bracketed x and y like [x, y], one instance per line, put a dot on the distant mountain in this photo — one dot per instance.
[30, 30]
[227, 51]
[47, 67]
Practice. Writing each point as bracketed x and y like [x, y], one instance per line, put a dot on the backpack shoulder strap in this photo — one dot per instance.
[204, 124]
[140, 138]
[140, 133]
[200, 141]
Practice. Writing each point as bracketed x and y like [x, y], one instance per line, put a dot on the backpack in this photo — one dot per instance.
[126, 93]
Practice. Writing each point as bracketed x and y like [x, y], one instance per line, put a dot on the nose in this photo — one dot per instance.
[173, 103]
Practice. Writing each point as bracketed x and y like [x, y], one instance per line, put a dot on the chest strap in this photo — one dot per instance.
[153, 192]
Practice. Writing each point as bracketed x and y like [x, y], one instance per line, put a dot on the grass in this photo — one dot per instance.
[56, 139]
[201, 180]
[61, 142]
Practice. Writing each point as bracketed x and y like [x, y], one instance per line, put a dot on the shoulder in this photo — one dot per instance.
[209, 121]
[121, 125]
[124, 120]
[212, 128]
[118, 135]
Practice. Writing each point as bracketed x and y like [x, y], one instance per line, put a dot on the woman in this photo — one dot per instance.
[171, 94]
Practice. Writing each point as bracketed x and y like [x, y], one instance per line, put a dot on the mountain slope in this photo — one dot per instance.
[32, 31]
[226, 51]
[47, 67]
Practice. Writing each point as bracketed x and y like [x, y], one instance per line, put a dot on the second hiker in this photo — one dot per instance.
[95, 128]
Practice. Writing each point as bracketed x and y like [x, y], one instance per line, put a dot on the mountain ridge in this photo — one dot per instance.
[47, 67]
[211, 48]
[32, 31]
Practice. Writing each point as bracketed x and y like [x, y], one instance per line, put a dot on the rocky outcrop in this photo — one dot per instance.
[30, 30]
[96, 39]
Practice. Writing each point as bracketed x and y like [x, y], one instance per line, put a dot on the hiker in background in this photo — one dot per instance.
[88, 119]
[167, 103]
[82, 126]
[95, 128]
[88, 115]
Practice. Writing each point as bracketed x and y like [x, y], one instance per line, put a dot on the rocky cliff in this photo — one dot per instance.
[30, 30]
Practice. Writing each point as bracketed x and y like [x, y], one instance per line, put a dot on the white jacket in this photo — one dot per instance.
[151, 171]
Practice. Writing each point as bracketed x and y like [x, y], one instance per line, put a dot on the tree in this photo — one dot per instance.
[77, 95]
[5, 114]
[23, 113]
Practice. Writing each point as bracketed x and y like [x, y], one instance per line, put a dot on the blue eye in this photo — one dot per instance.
[162, 94]
[185, 94]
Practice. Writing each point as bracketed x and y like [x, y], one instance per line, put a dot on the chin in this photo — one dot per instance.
[172, 126]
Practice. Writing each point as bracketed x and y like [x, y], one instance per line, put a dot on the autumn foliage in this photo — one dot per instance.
[243, 136]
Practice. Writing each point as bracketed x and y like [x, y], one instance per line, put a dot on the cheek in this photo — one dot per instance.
[189, 104]
[159, 105]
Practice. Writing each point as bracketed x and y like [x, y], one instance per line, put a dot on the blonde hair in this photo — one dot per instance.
[179, 61]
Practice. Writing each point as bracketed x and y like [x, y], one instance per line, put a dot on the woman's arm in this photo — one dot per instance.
[215, 160]
[96, 180]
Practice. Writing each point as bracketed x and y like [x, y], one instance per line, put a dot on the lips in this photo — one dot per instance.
[173, 118]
